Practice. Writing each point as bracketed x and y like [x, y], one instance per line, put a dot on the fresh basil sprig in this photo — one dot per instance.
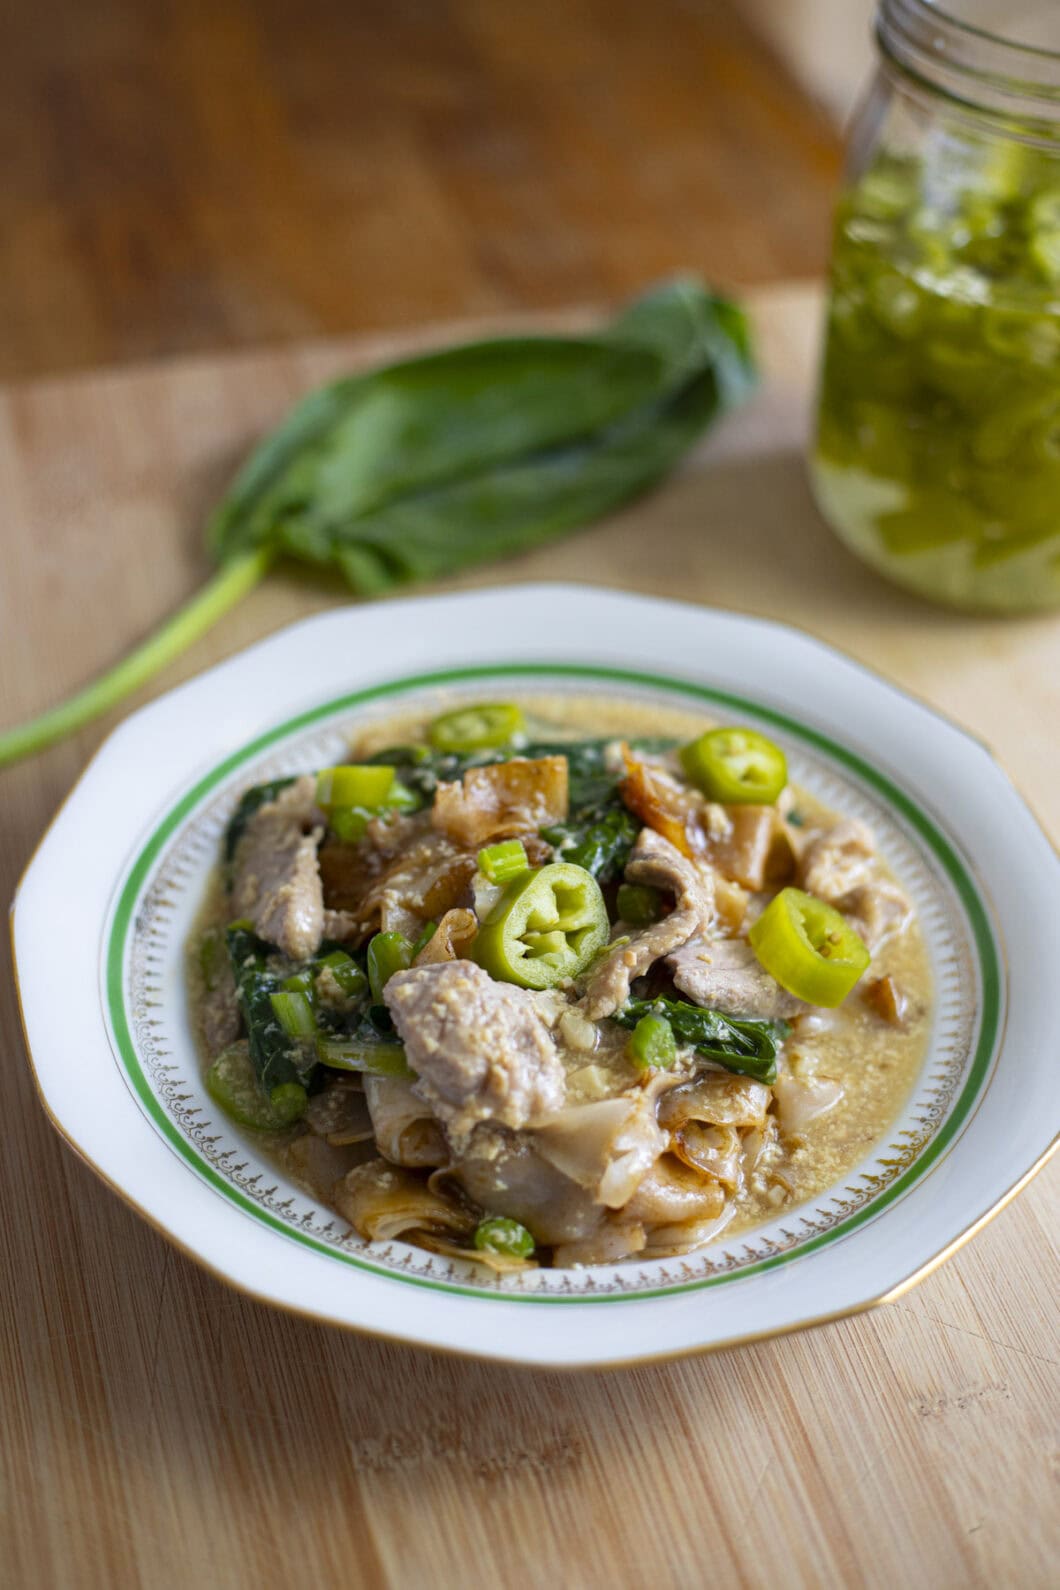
[417, 469]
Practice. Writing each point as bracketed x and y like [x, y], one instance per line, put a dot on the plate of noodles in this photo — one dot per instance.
[548, 974]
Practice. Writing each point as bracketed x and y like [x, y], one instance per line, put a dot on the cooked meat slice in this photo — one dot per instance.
[480, 1048]
[877, 910]
[658, 863]
[276, 876]
[725, 975]
[502, 800]
[837, 860]
[840, 866]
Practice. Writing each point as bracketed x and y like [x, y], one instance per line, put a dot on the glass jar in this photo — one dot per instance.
[937, 450]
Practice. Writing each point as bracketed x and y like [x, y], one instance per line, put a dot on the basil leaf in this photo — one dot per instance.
[417, 470]
[426, 466]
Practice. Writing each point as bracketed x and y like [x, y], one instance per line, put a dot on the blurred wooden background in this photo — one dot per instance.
[183, 175]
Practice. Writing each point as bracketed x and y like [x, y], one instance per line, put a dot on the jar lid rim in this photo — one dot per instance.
[970, 64]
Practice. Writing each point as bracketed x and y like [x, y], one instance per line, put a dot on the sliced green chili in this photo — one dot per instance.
[545, 928]
[736, 766]
[478, 728]
[809, 948]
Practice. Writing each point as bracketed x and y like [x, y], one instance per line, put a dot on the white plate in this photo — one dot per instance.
[123, 868]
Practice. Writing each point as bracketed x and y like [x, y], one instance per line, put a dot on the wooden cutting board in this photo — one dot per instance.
[156, 1428]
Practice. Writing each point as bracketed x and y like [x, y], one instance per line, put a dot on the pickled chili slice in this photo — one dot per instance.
[545, 929]
[479, 728]
[809, 948]
[736, 766]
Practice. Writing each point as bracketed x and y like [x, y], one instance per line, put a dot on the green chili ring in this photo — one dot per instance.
[545, 929]
[479, 728]
[809, 948]
[736, 766]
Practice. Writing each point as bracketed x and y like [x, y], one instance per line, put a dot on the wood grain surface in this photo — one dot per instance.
[191, 174]
[157, 1429]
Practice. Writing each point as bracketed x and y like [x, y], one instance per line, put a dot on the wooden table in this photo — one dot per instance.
[157, 1429]
[217, 173]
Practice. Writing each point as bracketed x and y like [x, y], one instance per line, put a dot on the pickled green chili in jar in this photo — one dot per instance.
[937, 451]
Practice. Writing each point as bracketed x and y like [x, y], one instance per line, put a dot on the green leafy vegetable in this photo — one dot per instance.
[601, 845]
[276, 1056]
[748, 1048]
[417, 469]
[233, 1084]
[599, 832]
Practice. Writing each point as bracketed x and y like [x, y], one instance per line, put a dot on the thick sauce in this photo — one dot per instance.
[874, 1061]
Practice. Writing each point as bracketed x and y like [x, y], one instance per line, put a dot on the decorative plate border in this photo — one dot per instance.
[165, 863]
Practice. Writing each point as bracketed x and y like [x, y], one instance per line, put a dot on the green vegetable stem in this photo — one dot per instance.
[417, 469]
[747, 1047]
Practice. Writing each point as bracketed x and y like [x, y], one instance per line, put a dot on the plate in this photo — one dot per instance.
[125, 863]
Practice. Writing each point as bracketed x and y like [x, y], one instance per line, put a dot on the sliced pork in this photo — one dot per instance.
[725, 975]
[657, 862]
[481, 1049]
[276, 874]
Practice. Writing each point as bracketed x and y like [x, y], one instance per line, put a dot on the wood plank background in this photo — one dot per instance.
[187, 175]
[157, 1429]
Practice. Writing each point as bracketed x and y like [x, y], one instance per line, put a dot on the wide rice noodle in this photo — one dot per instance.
[383, 1203]
[405, 1130]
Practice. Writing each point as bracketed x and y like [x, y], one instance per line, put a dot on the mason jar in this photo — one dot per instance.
[937, 449]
